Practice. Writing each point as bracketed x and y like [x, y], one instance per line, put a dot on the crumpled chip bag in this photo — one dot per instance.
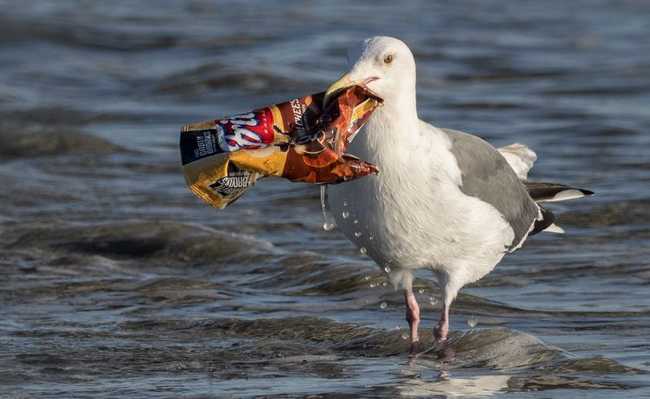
[297, 140]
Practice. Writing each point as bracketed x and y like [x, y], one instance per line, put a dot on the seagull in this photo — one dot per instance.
[443, 200]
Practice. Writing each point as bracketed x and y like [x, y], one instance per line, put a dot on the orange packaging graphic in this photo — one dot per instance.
[297, 140]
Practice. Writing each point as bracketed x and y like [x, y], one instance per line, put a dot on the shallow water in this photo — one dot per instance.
[117, 282]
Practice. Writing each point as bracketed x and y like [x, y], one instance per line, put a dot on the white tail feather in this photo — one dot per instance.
[564, 195]
[520, 158]
[554, 228]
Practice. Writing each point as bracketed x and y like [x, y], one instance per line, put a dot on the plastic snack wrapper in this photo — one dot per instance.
[297, 140]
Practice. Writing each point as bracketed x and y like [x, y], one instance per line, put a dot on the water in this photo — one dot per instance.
[117, 282]
[329, 223]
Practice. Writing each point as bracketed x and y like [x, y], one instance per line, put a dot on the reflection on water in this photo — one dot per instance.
[116, 281]
[475, 386]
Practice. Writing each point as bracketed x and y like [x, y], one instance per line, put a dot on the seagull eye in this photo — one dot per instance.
[388, 59]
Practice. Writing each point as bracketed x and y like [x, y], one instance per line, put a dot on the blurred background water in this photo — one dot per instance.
[117, 282]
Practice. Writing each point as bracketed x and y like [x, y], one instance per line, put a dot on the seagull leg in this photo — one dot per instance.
[441, 331]
[450, 289]
[413, 318]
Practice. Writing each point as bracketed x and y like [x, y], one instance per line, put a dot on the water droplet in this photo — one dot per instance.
[387, 269]
[371, 238]
[345, 203]
[421, 291]
[328, 219]
[358, 234]
[367, 278]
[405, 336]
[433, 301]
[355, 221]
[345, 214]
[384, 284]
[472, 322]
[363, 250]
[383, 305]
[372, 285]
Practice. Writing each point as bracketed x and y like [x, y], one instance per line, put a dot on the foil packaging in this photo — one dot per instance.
[297, 140]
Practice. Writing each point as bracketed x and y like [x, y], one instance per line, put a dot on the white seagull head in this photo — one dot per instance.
[384, 65]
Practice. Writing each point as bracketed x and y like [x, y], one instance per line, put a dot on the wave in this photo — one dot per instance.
[494, 348]
[620, 213]
[214, 76]
[18, 141]
[140, 241]
[85, 35]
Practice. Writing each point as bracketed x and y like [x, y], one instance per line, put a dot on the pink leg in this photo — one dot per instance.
[413, 317]
[441, 331]
[449, 289]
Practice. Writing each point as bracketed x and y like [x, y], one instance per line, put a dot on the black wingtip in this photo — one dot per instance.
[547, 192]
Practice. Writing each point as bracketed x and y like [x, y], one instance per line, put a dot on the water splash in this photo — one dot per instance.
[328, 226]
[328, 219]
[345, 214]
[472, 322]
[363, 251]
[383, 305]
[358, 234]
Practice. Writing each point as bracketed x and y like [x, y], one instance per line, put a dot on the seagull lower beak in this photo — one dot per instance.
[344, 82]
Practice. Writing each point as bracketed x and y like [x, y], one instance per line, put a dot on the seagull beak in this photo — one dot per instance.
[344, 82]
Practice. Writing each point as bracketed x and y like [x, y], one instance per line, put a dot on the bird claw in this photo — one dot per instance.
[440, 335]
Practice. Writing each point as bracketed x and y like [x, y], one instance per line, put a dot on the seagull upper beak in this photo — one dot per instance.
[344, 82]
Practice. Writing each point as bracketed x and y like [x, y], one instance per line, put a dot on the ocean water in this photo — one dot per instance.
[117, 282]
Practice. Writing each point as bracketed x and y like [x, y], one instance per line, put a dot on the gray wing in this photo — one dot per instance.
[488, 176]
